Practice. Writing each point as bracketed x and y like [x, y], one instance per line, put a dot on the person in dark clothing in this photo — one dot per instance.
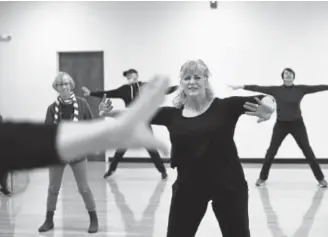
[4, 177]
[201, 131]
[128, 93]
[26, 146]
[289, 121]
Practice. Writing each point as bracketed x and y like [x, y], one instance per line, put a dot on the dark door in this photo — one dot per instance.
[86, 69]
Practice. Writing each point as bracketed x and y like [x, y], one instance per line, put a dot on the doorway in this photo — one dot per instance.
[86, 69]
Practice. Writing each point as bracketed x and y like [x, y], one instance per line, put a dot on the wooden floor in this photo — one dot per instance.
[135, 202]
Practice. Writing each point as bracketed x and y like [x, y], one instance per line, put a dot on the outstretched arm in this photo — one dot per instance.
[40, 145]
[116, 93]
[170, 90]
[270, 90]
[313, 89]
[162, 116]
[252, 105]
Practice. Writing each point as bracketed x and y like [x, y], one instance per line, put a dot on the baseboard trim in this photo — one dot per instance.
[243, 160]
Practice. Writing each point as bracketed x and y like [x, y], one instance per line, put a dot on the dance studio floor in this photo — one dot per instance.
[135, 202]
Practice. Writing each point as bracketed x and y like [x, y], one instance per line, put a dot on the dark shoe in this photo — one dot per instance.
[323, 183]
[164, 175]
[260, 182]
[5, 191]
[108, 173]
[49, 223]
[93, 228]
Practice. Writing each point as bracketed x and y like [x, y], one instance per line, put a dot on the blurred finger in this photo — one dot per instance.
[104, 98]
[108, 102]
[260, 120]
[250, 108]
[251, 113]
[252, 104]
[258, 101]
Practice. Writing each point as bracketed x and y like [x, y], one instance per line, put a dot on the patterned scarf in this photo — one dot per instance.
[70, 100]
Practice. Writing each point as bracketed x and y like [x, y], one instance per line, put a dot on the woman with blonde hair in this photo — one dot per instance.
[201, 130]
[68, 107]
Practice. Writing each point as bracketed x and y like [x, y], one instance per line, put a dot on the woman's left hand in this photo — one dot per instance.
[105, 106]
[260, 110]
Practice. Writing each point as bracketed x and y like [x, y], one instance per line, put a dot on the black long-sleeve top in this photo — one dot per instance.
[203, 146]
[27, 146]
[127, 92]
[288, 98]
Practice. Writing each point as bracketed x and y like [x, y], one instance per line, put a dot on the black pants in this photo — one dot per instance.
[298, 131]
[118, 156]
[189, 203]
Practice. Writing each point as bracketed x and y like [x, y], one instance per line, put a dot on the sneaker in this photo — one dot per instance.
[260, 182]
[323, 183]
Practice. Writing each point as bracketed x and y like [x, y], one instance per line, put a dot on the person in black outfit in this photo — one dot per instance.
[201, 131]
[26, 146]
[128, 93]
[289, 121]
[4, 178]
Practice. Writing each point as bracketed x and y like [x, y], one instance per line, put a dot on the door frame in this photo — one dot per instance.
[84, 51]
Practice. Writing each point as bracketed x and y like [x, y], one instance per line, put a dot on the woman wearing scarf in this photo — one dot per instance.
[68, 107]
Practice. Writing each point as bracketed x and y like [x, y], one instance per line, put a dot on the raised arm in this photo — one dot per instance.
[313, 89]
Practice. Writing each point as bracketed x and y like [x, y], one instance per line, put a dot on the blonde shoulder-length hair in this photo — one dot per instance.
[193, 67]
[59, 79]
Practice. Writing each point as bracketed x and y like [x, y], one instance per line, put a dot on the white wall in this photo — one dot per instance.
[242, 42]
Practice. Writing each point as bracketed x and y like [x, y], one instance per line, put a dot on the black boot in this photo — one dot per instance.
[49, 223]
[164, 175]
[93, 228]
[5, 191]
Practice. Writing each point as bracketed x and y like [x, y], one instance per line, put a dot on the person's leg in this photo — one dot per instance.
[4, 183]
[80, 174]
[301, 137]
[280, 131]
[159, 164]
[118, 156]
[188, 207]
[55, 180]
[231, 210]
